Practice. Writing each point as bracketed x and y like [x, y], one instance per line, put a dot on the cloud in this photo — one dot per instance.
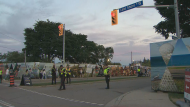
[141, 17]
[121, 44]
[134, 31]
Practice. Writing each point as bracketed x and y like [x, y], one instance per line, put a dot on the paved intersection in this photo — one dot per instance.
[82, 95]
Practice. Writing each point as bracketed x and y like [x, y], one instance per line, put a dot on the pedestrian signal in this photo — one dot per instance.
[114, 18]
[60, 29]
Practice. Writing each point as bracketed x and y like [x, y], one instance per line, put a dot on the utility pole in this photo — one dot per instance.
[25, 57]
[131, 57]
[177, 19]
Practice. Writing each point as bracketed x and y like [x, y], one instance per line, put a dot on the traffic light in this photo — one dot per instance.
[60, 29]
[114, 18]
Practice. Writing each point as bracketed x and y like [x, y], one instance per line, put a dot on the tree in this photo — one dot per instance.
[146, 62]
[43, 40]
[14, 57]
[108, 54]
[167, 26]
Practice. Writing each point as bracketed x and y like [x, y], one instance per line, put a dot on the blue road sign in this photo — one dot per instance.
[137, 4]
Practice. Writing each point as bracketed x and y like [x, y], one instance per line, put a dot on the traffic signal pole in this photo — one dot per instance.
[64, 44]
[175, 6]
[62, 33]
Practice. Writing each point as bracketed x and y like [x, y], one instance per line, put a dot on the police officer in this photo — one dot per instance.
[139, 70]
[62, 75]
[53, 73]
[1, 72]
[107, 76]
[68, 70]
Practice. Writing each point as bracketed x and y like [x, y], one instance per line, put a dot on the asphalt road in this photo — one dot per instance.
[81, 95]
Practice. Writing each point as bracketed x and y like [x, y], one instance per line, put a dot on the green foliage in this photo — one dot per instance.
[43, 40]
[112, 63]
[13, 57]
[180, 84]
[146, 62]
[168, 25]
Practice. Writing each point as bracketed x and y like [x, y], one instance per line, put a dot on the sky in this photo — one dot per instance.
[134, 31]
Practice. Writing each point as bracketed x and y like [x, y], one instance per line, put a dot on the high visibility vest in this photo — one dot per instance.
[139, 70]
[68, 70]
[62, 72]
[106, 71]
[1, 72]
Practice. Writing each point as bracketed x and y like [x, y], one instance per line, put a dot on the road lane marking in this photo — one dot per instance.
[5, 103]
[73, 100]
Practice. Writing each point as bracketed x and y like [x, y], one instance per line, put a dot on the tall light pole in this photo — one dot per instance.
[177, 19]
[131, 57]
[25, 56]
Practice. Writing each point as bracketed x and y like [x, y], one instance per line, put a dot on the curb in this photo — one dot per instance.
[116, 101]
[182, 104]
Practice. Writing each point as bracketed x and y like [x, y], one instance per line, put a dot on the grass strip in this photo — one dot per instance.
[175, 96]
[82, 81]
[177, 67]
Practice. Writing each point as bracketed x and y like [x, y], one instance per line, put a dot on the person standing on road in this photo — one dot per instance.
[44, 74]
[53, 73]
[139, 70]
[80, 72]
[7, 73]
[107, 76]
[1, 72]
[62, 72]
[41, 74]
[26, 72]
[68, 70]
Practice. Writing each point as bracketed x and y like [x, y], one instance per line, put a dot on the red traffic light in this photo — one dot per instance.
[59, 27]
[112, 14]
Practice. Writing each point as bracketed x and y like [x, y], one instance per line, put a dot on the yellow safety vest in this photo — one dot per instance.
[62, 72]
[69, 71]
[139, 70]
[106, 71]
[1, 72]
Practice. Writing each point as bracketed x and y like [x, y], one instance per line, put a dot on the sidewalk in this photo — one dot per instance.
[142, 98]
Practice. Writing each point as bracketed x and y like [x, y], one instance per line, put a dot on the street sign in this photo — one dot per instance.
[137, 4]
[187, 85]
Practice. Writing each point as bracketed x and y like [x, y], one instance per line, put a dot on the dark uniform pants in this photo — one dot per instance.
[54, 78]
[68, 77]
[107, 77]
[1, 78]
[138, 74]
[62, 83]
